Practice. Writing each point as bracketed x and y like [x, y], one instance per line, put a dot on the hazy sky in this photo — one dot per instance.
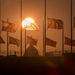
[58, 9]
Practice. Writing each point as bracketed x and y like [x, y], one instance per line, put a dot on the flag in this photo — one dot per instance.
[50, 42]
[68, 41]
[32, 27]
[1, 40]
[14, 41]
[55, 23]
[74, 22]
[31, 41]
[8, 27]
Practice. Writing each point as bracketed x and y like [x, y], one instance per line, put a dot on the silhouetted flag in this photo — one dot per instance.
[55, 23]
[68, 41]
[14, 41]
[8, 27]
[31, 41]
[50, 42]
[1, 40]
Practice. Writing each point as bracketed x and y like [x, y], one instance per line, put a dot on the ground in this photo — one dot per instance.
[59, 65]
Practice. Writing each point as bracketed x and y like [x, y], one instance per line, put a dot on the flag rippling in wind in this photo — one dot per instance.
[50, 42]
[32, 27]
[14, 41]
[8, 27]
[1, 40]
[68, 41]
[55, 23]
[31, 41]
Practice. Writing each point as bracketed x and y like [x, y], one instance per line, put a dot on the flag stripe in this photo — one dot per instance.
[32, 27]
[68, 41]
[14, 41]
[50, 42]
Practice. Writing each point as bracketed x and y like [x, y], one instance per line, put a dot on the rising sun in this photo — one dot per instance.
[27, 22]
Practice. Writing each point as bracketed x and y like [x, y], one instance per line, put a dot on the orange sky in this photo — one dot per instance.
[59, 9]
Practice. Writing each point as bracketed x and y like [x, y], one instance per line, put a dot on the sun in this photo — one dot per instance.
[27, 22]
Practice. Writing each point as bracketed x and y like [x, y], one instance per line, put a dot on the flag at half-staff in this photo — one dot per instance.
[68, 41]
[55, 23]
[1, 40]
[8, 27]
[14, 41]
[50, 42]
[31, 41]
[32, 27]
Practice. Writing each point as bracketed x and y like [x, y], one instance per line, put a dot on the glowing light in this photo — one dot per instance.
[27, 22]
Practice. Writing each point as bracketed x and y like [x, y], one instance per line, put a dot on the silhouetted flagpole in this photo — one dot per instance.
[21, 28]
[44, 30]
[63, 40]
[71, 26]
[25, 41]
[7, 41]
[0, 26]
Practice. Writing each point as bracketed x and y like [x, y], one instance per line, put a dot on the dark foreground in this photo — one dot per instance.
[64, 65]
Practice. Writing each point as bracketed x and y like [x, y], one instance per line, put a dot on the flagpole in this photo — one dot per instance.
[21, 29]
[7, 41]
[25, 41]
[71, 26]
[44, 30]
[0, 26]
[63, 40]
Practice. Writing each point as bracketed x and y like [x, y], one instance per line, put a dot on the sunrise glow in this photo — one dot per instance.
[27, 22]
